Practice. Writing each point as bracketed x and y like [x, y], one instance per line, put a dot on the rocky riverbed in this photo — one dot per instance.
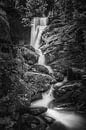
[23, 80]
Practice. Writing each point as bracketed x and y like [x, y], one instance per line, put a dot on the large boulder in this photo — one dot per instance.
[72, 93]
[38, 81]
[29, 55]
[40, 69]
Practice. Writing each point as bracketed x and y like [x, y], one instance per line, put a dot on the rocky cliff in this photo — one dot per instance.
[63, 43]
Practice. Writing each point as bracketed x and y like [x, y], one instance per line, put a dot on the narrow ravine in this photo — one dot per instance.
[70, 120]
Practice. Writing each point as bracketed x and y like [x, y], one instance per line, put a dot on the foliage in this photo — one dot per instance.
[33, 8]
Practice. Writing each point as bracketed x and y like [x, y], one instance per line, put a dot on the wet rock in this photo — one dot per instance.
[65, 88]
[65, 51]
[38, 81]
[59, 77]
[63, 44]
[74, 73]
[30, 56]
[65, 106]
[73, 93]
[40, 69]
[51, 53]
[61, 52]
[37, 111]
[29, 47]
[20, 96]
[36, 96]
[26, 67]
[58, 67]
[48, 120]
[31, 122]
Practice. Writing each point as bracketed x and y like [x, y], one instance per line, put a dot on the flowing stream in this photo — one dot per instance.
[38, 26]
[68, 119]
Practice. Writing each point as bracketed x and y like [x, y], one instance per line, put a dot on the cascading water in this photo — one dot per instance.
[47, 97]
[68, 119]
[38, 26]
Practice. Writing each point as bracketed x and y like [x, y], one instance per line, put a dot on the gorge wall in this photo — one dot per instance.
[63, 43]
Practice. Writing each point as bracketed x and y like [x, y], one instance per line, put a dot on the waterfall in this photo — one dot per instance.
[38, 26]
[68, 119]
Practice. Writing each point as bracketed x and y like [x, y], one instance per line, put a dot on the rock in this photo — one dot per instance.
[36, 96]
[30, 56]
[58, 67]
[21, 66]
[38, 81]
[65, 106]
[63, 44]
[37, 111]
[58, 76]
[73, 93]
[21, 81]
[29, 47]
[26, 67]
[40, 69]
[74, 73]
[48, 120]
[31, 122]
[20, 95]
[51, 53]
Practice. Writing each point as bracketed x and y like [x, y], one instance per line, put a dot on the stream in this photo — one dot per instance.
[64, 120]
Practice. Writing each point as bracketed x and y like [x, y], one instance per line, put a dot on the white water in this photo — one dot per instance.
[38, 26]
[47, 97]
[68, 119]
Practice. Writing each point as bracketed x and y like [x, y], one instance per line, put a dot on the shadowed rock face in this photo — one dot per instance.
[64, 48]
